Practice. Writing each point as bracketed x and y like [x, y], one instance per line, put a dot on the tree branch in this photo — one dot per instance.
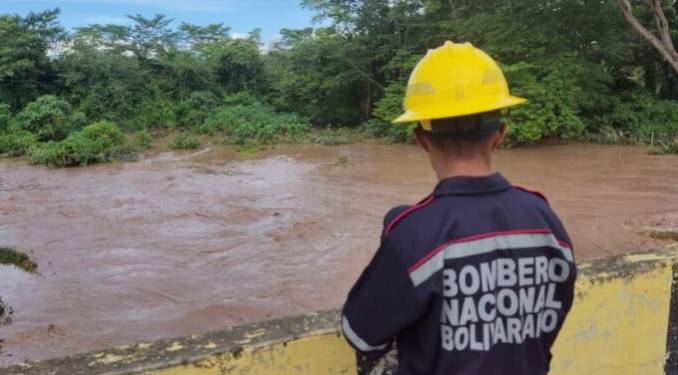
[662, 24]
[665, 45]
[359, 71]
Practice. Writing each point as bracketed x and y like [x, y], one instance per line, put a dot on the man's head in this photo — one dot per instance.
[461, 139]
[456, 93]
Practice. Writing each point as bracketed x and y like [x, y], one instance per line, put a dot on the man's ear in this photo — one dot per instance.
[499, 136]
[419, 138]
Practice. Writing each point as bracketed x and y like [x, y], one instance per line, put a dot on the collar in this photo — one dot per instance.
[465, 185]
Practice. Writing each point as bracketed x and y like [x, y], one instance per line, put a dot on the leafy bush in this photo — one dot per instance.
[185, 142]
[142, 140]
[152, 113]
[76, 121]
[552, 111]
[16, 142]
[255, 122]
[194, 110]
[240, 98]
[386, 109]
[104, 133]
[99, 142]
[48, 117]
[390, 105]
[642, 115]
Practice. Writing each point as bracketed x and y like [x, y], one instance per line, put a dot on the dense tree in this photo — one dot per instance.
[26, 70]
[317, 77]
[194, 36]
[150, 37]
[580, 64]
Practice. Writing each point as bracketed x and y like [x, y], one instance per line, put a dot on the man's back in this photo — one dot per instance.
[476, 279]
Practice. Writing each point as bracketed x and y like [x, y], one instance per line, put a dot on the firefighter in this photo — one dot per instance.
[477, 277]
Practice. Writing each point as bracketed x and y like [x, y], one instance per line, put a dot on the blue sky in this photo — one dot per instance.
[240, 15]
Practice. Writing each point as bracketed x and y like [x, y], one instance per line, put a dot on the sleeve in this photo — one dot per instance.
[381, 304]
[393, 214]
[559, 229]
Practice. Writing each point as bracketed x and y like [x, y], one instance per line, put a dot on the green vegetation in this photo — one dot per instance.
[257, 122]
[185, 142]
[586, 72]
[664, 235]
[16, 142]
[99, 142]
[9, 256]
[334, 136]
[665, 147]
[142, 140]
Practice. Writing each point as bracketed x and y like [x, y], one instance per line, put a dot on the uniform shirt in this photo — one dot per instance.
[475, 279]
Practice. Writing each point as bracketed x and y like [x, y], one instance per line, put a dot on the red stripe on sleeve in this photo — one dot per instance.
[532, 191]
[408, 211]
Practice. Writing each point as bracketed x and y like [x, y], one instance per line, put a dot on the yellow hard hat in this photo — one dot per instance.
[455, 80]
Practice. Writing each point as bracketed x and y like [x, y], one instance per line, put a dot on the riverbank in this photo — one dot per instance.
[103, 142]
[96, 145]
[656, 145]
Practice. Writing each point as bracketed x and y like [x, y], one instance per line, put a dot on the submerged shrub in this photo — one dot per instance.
[255, 122]
[400, 133]
[142, 140]
[16, 142]
[99, 142]
[332, 136]
[665, 147]
[9, 256]
[185, 142]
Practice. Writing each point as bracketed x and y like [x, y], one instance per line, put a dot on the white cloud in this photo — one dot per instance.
[239, 35]
[220, 6]
[108, 20]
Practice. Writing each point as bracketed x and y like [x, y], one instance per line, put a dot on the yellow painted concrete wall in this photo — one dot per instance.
[618, 325]
[320, 354]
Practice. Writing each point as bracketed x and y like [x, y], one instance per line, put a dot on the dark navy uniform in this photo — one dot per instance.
[475, 279]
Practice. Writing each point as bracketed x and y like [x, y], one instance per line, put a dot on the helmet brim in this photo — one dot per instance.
[455, 110]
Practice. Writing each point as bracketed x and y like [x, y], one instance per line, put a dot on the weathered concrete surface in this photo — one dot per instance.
[620, 318]
[211, 353]
[619, 325]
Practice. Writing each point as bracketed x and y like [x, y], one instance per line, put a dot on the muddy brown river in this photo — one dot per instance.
[179, 244]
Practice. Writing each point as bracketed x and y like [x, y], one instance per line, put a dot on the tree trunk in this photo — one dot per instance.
[663, 44]
[452, 8]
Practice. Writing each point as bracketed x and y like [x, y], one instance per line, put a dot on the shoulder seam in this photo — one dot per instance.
[534, 192]
[406, 212]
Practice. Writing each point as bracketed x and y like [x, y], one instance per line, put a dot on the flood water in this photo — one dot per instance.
[179, 244]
